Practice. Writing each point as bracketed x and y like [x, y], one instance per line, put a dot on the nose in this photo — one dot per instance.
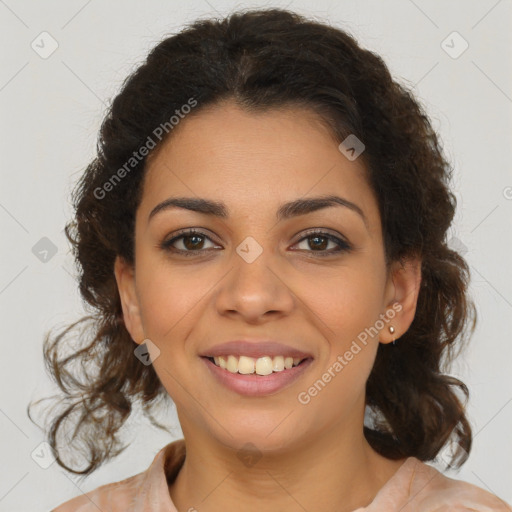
[254, 288]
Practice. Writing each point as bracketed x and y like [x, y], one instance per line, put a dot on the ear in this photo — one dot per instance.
[125, 277]
[402, 290]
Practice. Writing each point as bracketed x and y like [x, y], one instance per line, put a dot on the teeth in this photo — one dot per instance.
[232, 364]
[261, 366]
[246, 365]
[278, 364]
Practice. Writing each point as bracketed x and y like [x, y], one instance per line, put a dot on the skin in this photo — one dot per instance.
[313, 456]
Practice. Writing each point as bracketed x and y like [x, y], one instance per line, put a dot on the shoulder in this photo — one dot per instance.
[429, 490]
[120, 495]
[138, 492]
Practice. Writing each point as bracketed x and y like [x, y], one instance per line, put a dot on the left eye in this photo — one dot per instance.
[193, 243]
[319, 242]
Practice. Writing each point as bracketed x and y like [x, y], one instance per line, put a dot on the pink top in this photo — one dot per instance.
[415, 487]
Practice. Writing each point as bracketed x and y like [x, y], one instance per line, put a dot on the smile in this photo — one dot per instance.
[261, 366]
[253, 383]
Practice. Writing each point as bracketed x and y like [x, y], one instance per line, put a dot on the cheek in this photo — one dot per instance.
[170, 300]
[347, 309]
[348, 303]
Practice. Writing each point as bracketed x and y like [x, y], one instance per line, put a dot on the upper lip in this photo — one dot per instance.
[254, 349]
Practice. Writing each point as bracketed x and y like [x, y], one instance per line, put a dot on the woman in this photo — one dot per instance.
[263, 238]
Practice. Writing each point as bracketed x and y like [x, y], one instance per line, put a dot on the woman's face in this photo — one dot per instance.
[253, 276]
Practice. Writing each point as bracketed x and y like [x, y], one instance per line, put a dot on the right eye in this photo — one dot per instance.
[192, 242]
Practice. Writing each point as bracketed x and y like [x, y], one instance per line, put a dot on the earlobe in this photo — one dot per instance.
[405, 281]
[125, 278]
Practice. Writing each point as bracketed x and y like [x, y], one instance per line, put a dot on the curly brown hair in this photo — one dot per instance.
[265, 59]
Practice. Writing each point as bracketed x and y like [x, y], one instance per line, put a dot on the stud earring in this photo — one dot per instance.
[392, 330]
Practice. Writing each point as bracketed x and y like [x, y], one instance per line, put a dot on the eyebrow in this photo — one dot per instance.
[285, 211]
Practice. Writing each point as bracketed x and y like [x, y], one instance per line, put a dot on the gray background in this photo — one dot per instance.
[51, 109]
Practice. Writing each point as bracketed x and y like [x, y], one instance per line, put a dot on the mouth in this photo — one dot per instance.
[261, 366]
[257, 381]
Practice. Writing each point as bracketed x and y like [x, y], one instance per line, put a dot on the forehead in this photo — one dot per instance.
[250, 160]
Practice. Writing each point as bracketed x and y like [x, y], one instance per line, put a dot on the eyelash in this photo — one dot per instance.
[343, 245]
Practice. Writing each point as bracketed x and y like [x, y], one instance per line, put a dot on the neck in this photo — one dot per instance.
[335, 470]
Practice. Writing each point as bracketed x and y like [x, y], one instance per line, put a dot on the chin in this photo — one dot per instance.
[272, 436]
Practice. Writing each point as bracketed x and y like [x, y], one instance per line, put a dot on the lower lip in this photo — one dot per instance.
[257, 385]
